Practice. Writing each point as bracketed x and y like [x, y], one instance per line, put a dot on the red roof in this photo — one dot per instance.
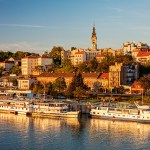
[104, 75]
[80, 52]
[98, 55]
[143, 54]
[32, 57]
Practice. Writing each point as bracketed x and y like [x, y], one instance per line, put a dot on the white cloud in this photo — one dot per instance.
[24, 25]
[24, 46]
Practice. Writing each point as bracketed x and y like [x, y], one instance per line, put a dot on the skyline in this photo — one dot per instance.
[36, 25]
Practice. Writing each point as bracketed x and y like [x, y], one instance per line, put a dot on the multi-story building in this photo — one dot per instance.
[129, 73]
[122, 74]
[79, 57]
[89, 78]
[87, 55]
[25, 84]
[129, 47]
[29, 64]
[114, 75]
[7, 65]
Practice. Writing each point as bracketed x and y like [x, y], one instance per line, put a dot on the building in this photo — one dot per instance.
[129, 73]
[103, 82]
[80, 55]
[137, 88]
[90, 79]
[122, 74]
[25, 84]
[7, 65]
[114, 75]
[128, 47]
[34, 65]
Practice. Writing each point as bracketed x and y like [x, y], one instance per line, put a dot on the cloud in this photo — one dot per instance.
[24, 46]
[118, 10]
[24, 25]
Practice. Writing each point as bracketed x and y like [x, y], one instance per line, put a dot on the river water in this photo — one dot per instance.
[19, 132]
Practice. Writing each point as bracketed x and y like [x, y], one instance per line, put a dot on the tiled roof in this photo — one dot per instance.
[31, 57]
[84, 75]
[80, 52]
[136, 83]
[98, 55]
[104, 75]
[143, 54]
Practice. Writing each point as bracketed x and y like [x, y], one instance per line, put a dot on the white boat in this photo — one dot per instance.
[23, 107]
[6, 106]
[138, 113]
[55, 109]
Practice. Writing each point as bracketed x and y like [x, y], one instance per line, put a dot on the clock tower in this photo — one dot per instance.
[94, 39]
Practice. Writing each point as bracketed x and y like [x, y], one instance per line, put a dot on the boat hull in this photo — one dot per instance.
[57, 115]
[119, 118]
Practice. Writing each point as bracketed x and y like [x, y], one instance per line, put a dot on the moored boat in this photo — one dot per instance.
[138, 113]
[55, 109]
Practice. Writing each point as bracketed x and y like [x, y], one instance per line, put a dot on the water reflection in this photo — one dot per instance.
[21, 132]
[117, 132]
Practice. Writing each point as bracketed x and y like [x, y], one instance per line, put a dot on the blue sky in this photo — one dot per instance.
[38, 25]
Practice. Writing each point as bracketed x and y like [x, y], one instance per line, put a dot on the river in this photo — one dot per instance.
[19, 132]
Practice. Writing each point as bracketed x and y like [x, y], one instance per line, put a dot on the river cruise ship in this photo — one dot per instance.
[124, 112]
[54, 109]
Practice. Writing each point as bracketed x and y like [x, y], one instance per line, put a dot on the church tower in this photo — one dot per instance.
[94, 39]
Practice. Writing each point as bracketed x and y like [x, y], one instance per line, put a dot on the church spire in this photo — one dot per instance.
[94, 39]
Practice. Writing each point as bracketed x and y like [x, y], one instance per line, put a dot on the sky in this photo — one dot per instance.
[38, 25]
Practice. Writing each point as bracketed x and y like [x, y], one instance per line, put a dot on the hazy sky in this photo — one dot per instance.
[38, 25]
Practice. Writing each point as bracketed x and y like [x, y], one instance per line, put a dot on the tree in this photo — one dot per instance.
[93, 65]
[79, 92]
[145, 80]
[67, 65]
[59, 84]
[77, 81]
[56, 54]
[5, 55]
[1, 71]
[82, 67]
[38, 88]
[16, 70]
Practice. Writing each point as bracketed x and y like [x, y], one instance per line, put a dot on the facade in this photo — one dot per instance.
[122, 75]
[128, 47]
[25, 84]
[87, 54]
[129, 73]
[79, 57]
[99, 58]
[7, 65]
[143, 57]
[94, 39]
[89, 78]
[30, 64]
[137, 88]
[103, 80]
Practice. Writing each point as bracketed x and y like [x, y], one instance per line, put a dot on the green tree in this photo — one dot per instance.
[5, 55]
[16, 70]
[145, 80]
[82, 67]
[15, 82]
[38, 88]
[1, 71]
[56, 54]
[59, 84]
[79, 92]
[67, 65]
[77, 81]
[93, 64]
